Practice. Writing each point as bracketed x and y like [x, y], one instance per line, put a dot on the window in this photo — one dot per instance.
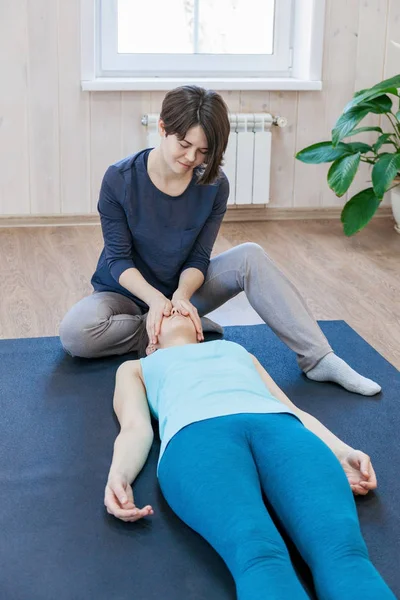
[159, 41]
[197, 27]
[188, 37]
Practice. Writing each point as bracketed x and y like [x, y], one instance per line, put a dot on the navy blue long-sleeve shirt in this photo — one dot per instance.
[158, 234]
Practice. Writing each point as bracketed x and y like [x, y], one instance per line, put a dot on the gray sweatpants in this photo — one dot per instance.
[106, 323]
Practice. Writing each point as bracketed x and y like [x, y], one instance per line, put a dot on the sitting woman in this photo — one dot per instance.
[228, 433]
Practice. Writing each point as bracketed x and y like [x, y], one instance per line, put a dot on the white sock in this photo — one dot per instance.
[333, 368]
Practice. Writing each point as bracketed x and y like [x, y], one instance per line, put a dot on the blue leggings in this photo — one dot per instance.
[212, 475]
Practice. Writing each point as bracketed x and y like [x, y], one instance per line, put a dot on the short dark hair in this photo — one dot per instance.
[189, 105]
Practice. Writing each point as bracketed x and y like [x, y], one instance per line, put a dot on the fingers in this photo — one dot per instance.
[120, 493]
[183, 308]
[373, 480]
[150, 328]
[368, 473]
[357, 483]
[358, 489]
[147, 511]
[110, 501]
[131, 515]
[128, 511]
[157, 326]
[163, 311]
[167, 308]
[159, 308]
[188, 309]
[197, 323]
[368, 485]
[364, 466]
[154, 324]
[362, 463]
[362, 488]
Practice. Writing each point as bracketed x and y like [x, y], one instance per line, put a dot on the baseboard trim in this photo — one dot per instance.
[272, 213]
[233, 214]
[48, 220]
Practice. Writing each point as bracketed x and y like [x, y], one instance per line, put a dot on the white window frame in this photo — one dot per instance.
[296, 63]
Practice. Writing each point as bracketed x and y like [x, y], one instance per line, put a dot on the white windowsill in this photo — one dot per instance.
[229, 83]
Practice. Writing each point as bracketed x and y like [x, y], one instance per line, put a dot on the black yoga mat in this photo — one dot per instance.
[56, 440]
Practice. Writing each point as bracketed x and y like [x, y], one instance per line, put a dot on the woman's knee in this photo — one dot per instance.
[335, 541]
[255, 549]
[80, 338]
[251, 260]
[252, 254]
[250, 542]
[249, 250]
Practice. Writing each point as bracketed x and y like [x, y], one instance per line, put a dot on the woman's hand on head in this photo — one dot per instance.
[186, 308]
[359, 471]
[119, 501]
[159, 308]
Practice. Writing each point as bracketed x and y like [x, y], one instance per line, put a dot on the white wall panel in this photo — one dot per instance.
[244, 167]
[229, 166]
[262, 161]
[44, 118]
[369, 70]
[74, 115]
[105, 137]
[14, 163]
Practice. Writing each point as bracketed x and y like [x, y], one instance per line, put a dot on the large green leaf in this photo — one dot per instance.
[342, 173]
[362, 129]
[358, 211]
[322, 152]
[398, 115]
[383, 173]
[392, 90]
[385, 138]
[379, 106]
[359, 147]
[361, 92]
[347, 122]
[388, 86]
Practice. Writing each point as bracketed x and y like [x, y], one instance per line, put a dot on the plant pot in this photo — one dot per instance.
[395, 200]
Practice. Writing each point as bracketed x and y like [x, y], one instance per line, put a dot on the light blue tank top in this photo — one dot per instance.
[190, 383]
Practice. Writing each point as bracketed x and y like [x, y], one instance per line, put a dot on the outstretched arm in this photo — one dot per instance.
[132, 445]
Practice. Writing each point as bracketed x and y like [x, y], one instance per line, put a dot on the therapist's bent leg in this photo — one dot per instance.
[102, 324]
[248, 268]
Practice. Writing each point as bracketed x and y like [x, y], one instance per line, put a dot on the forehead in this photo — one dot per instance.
[196, 136]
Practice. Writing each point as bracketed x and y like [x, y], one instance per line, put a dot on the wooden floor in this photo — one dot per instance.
[44, 270]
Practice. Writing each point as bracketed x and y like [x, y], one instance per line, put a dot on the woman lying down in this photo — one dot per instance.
[227, 434]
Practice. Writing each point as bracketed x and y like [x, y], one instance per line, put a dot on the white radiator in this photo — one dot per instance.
[247, 161]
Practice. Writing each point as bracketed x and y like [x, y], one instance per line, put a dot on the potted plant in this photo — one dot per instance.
[383, 155]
